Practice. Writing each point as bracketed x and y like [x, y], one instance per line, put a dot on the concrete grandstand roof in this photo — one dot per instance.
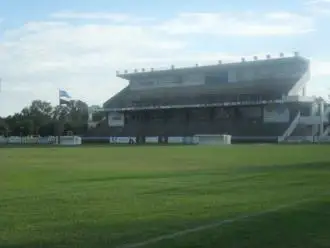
[209, 68]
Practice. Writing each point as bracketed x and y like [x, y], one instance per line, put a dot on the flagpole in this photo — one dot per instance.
[61, 121]
[59, 118]
[58, 97]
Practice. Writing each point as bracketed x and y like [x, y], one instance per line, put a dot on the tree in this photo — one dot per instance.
[19, 124]
[60, 112]
[39, 114]
[77, 117]
[78, 111]
[44, 119]
[4, 129]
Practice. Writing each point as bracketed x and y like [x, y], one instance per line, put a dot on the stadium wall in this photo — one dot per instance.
[193, 140]
[51, 140]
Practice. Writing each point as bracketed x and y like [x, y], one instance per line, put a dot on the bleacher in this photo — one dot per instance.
[215, 99]
[191, 95]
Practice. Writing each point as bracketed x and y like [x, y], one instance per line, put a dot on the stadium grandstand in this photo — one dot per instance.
[263, 100]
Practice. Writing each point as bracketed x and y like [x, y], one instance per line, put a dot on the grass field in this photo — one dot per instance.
[115, 196]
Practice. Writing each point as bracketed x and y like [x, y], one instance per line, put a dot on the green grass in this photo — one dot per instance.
[111, 196]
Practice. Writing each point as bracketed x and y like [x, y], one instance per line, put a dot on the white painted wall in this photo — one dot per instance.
[116, 119]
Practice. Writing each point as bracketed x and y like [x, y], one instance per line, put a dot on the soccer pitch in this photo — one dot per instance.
[235, 196]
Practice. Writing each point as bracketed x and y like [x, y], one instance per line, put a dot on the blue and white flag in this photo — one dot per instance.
[64, 97]
[65, 94]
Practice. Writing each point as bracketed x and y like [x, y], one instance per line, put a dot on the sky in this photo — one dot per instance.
[79, 45]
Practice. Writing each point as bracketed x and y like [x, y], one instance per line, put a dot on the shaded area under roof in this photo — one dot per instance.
[266, 89]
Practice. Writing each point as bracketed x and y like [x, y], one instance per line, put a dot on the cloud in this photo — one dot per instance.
[319, 7]
[40, 57]
[113, 17]
[317, 2]
[243, 24]
[320, 68]
[319, 84]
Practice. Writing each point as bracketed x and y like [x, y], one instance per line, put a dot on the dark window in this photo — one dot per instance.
[219, 78]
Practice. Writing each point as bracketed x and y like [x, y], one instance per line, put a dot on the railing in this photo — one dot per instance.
[291, 128]
[93, 124]
[315, 108]
[310, 120]
[300, 84]
[205, 105]
[300, 139]
[326, 132]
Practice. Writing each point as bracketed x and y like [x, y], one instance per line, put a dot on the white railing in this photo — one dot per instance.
[310, 120]
[300, 84]
[315, 108]
[206, 105]
[322, 139]
[93, 124]
[35, 140]
[316, 118]
[326, 132]
[16, 140]
[299, 139]
[291, 128]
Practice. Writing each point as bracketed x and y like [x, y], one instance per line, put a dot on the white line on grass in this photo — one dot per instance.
[214, 224]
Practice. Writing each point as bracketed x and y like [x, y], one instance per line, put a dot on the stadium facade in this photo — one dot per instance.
[259, 100]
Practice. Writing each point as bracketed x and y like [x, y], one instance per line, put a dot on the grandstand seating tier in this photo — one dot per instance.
[201, 94]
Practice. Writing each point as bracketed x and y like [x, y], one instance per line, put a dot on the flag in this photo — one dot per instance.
[65, 94]
[64, 97]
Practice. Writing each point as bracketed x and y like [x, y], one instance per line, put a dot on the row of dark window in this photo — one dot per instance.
[193, 114]
[202, 99]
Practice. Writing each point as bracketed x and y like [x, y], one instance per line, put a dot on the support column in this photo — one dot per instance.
[321, 117]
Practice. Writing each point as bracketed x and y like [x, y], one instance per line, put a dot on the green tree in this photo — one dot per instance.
[4, 129]
[44, 119]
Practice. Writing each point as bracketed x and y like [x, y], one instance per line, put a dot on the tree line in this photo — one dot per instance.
[41, 118]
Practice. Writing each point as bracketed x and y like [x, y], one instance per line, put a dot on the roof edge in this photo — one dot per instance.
[128, 75]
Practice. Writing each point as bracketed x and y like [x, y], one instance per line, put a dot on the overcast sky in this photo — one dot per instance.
[78, 45]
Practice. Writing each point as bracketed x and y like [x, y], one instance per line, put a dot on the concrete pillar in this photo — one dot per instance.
[90, 117]
[321, 117]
